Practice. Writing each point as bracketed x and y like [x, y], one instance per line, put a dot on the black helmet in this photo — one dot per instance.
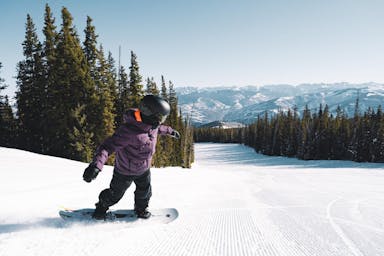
[154, 110]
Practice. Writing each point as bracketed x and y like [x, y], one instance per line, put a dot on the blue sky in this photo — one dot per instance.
[221, 42]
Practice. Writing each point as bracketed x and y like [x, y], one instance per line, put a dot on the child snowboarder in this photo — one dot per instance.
[134, 143]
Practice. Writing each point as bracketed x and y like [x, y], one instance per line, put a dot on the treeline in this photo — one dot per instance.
[71, 96]
[318, 135]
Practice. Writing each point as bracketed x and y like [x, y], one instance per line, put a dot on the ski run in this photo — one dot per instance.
[232, 202]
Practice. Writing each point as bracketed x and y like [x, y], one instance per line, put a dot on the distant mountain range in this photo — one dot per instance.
[243, 104]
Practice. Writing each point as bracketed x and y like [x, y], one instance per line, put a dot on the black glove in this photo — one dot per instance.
[175, 134]
[90, 173]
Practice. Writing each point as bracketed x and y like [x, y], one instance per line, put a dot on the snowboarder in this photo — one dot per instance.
[134, 143]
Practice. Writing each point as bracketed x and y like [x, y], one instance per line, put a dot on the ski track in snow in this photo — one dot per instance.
[232, 202]
[351, 245]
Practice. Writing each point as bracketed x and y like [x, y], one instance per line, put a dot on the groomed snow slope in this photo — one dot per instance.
[232, 202]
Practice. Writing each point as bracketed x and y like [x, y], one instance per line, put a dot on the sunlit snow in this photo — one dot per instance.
[232, 202]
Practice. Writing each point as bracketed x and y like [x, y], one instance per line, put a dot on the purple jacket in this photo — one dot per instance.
[134, 143]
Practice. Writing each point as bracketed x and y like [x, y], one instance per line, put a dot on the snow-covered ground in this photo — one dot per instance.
[232, 202]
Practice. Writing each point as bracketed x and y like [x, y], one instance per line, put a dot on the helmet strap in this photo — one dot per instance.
[138, 116]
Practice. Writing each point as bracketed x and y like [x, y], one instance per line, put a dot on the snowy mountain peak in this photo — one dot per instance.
[243, 104]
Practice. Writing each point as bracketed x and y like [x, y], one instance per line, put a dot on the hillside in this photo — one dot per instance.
[232, 202]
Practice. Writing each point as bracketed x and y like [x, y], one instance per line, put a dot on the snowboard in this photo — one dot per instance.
[158, 216]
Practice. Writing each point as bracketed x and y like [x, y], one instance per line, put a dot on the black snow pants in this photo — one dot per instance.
[120, 183]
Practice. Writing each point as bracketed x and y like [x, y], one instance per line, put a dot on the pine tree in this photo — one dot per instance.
[305, 148]
[160, 159]
[101, 107]
[31, 91]
[266, 144]
[259, 134]
[105, 87]
[7, 122]
[122, 101]
[49, 59]
[50, 34]
[293, 127]
[90, 47]
[186, 142]
[173, 120]
[74, 87]
[135, 83]
[93, 108]
[364, 131]
[340, 135]
[112, 79]
[353, 147]
[81, 138]
[151, 87]
[164, 91]
[322, 134]
[110, 97]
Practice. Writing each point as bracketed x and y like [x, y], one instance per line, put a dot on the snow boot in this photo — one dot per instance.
[100, 212]
[142, 213]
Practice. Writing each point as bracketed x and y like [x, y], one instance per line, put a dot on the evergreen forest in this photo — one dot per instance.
[314, 135]
[71, 96]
